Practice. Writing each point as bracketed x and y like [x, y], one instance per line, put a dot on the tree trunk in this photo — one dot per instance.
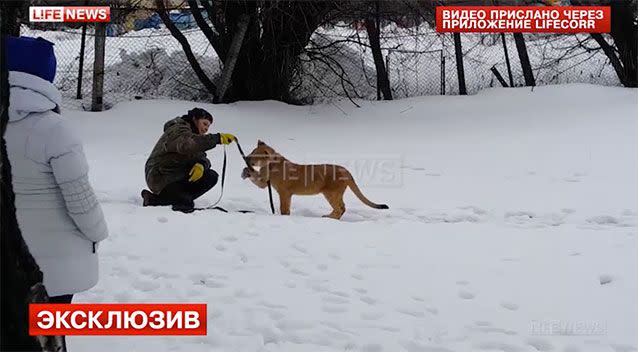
[229, 64]
[611, 55]
[97, 101]
[528, 74]
[212, 37]
[383, 83]
[192, 60]
[11, 13]
[276, 34]
[460, 71]
[271, 48]
[624, 30]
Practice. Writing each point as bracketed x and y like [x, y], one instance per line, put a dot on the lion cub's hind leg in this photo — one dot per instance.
[335, 198]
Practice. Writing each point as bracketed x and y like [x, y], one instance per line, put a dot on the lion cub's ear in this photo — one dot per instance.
[260, 143]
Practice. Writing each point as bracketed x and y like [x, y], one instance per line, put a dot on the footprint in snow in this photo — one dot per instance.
[466, 294]
[335, 299]
[220, 247]
[623, 348]
[372, 347]
[540, 344]
[371, 315]
[605, 279]
[509, 306]
[497, 346]
[162, 219]
[411, 312]
[298, 272]
[145, 286]
[333, 308]
[339, 293]
[369, 300]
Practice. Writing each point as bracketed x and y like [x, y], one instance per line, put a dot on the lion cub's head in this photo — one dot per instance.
[262, 156]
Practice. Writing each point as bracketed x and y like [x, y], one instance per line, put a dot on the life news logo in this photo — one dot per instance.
[69, 14]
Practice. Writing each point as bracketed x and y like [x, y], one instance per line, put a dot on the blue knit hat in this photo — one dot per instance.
[31, 55]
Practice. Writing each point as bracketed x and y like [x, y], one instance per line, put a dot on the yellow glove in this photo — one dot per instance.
[226, 138]
[197, 171]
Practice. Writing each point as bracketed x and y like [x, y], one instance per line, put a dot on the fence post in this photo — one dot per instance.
[524, 57]
[97, 103]
[459, 63]
[507, 60]
[442, 72]
[78, 95]
[387, 71]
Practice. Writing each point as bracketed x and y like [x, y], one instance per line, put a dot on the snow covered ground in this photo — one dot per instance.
[512, 226]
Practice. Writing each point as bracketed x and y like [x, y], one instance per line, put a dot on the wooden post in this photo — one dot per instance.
[459, 63]
[97, 103]
[507, 60]
[78, 95]
[442, 72]
[525, 64]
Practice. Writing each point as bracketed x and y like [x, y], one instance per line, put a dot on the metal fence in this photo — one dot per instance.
[150, 63]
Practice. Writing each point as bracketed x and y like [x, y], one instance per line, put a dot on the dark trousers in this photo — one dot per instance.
[62, 299]
[183, 193]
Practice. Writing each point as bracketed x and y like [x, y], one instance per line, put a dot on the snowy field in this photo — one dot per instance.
[512, 226]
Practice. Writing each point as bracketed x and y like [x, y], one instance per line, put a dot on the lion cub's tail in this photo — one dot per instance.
[355, 189]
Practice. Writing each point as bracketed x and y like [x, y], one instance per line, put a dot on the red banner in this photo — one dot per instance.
[117, 319]
[532, 19]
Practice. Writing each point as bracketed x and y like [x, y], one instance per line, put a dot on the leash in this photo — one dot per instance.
[243, 156]
[221, 193]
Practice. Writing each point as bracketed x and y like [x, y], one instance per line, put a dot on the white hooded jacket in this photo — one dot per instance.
[58, 213]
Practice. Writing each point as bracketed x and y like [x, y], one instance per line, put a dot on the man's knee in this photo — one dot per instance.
[210, 178]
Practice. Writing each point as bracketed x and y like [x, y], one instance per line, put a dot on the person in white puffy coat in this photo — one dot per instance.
[58, 213]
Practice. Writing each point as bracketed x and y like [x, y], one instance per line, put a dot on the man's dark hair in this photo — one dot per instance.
[199, 113]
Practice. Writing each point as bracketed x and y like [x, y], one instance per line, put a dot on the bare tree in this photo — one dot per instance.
[373, 28]
[623, 53]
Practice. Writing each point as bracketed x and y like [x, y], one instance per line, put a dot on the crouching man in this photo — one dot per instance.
[177, 171]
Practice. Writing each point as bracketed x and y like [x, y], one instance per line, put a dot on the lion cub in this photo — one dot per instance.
[289, 179]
